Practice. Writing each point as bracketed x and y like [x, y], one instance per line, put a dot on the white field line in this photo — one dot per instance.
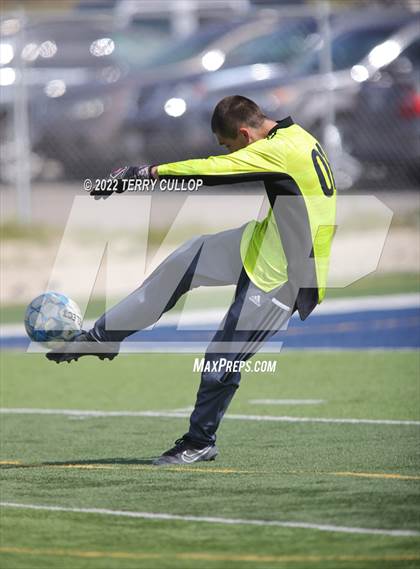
[211, 318]
[183, 415]
[194, 348]
[216, 520]
[286, 401]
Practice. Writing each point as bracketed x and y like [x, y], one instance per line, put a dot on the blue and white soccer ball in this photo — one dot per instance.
[52, 317]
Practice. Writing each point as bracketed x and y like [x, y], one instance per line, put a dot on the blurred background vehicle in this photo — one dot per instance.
[49, 57]
[387, 110]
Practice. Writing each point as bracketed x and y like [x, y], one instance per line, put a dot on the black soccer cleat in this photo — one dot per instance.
[186, 452]
[83, 345]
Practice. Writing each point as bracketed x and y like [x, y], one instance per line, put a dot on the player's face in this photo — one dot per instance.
[233, 144]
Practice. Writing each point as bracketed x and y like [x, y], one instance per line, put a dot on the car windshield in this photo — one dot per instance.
[279, 46]
[140, 46]
[184, 49]
[347, 49]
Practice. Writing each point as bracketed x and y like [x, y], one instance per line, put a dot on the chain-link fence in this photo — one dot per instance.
[85, 90]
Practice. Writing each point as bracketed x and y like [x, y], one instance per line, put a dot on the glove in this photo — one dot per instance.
[129, 172]
[122, 173]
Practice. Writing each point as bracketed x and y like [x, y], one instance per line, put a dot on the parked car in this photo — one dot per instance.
[383, 129]
[57, 55]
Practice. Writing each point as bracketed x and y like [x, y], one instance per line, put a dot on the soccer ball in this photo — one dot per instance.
[52, 318]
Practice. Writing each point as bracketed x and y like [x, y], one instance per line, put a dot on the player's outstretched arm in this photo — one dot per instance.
[253, 163]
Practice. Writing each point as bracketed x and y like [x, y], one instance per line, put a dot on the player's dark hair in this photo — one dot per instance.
[233, 111]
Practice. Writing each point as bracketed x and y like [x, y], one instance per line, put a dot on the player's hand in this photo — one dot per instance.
[123, 173]
[132, 172]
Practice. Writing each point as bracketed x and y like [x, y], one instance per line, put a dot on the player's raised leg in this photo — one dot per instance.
[208, 260]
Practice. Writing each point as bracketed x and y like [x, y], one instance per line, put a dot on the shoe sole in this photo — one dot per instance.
[76, 358]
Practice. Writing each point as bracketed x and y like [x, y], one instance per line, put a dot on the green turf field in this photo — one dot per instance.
[359, 475]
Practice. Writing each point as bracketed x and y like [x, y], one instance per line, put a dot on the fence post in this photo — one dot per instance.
[22, 173]
[329, 132]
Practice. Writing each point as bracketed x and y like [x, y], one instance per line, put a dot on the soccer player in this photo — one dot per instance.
[279, 265]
